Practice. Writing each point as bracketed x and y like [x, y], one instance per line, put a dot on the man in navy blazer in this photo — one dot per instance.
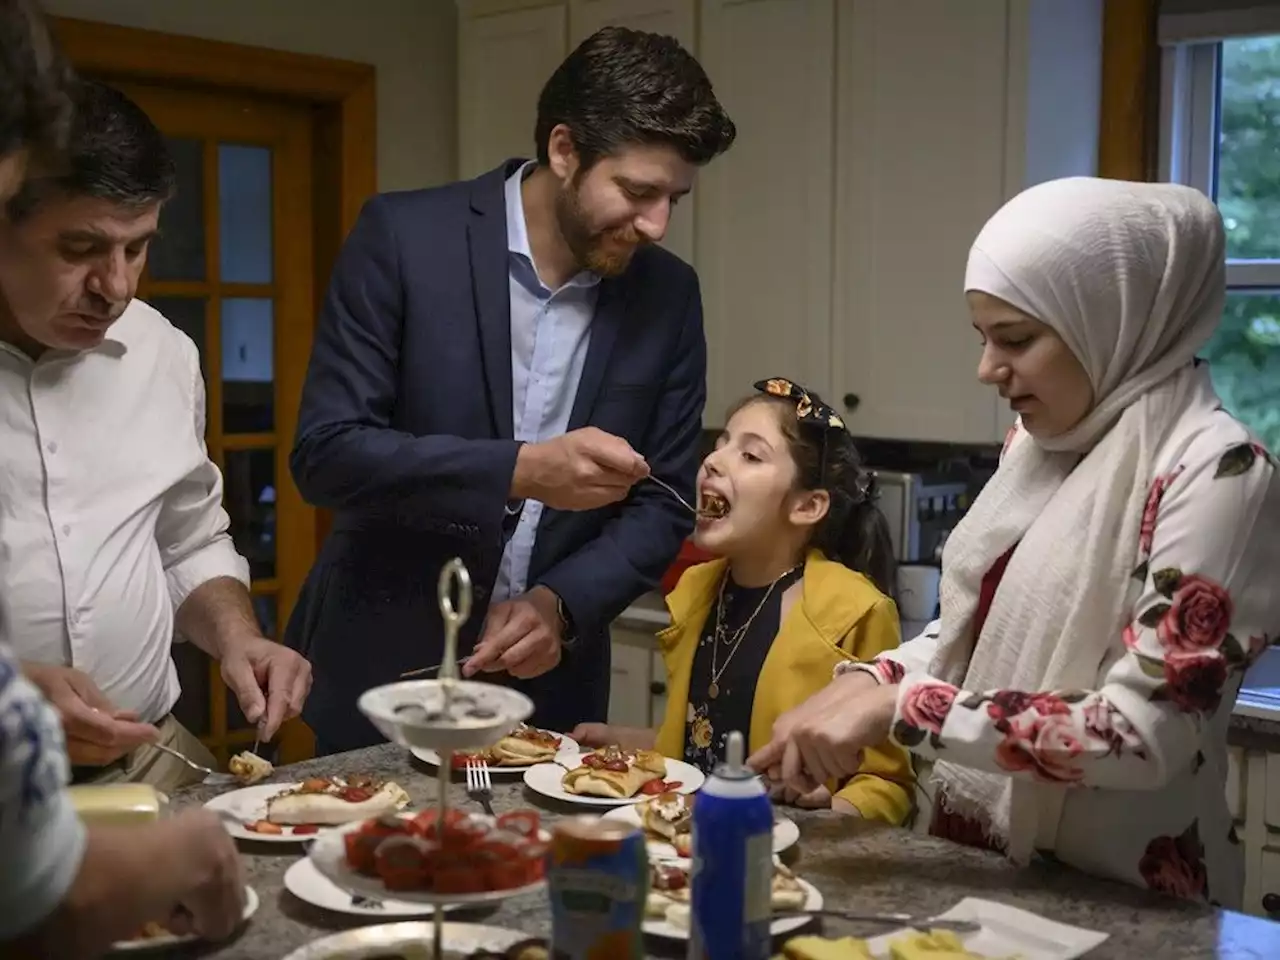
[497, 366]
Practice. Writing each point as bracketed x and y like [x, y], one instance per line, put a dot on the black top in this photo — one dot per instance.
[709, 720]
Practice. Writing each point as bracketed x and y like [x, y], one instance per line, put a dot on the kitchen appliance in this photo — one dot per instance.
[922, 511]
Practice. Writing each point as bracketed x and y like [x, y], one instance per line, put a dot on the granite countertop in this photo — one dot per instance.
[856, 865]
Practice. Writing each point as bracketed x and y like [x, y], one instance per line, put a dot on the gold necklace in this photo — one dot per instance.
[720, 630]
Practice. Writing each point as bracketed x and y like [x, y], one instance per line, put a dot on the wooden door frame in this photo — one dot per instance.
[1129, 134]
[342, 97]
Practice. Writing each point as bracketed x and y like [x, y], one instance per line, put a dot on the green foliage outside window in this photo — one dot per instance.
[1245, 353]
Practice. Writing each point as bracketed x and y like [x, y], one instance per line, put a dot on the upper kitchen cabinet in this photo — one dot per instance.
[506, 51]
[674, 18]
[764, 209]
[944, 110]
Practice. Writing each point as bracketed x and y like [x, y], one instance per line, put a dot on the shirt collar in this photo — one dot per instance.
[518, 231]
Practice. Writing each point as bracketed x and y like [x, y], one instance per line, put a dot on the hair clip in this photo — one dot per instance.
[808, 410]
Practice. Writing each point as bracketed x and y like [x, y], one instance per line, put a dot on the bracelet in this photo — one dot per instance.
[850, 666]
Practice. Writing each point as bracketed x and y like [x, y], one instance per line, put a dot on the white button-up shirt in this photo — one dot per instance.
[110, 508]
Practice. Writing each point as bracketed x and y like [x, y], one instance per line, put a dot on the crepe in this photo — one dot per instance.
[614, 773]
[332, 801]
[914, 945]
[820, 948]
[523, 746]
[668, 816]
[249, 768]
[669, 892]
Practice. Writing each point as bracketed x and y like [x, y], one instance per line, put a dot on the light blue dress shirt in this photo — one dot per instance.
[550, 331]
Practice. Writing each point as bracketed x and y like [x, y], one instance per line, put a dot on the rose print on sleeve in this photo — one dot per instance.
[1193, 630]
[1046, 744]
[922, 713]
[1198, 616]
[890, 671]
[1175, 865]
[1149, 514]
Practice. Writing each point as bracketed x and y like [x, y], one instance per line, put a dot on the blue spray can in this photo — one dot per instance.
[732, 871]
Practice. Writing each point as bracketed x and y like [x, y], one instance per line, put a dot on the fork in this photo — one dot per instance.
[675, 493]
[213, 778]
[480, 785]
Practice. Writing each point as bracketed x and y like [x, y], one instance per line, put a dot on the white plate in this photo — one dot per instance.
[813, 901]
[251, 904]
[329, 854]
[307, 883]
[568, 753]
[238, 808]
[1007, 931]
[460, 940]
[545, 779]
[785, 832]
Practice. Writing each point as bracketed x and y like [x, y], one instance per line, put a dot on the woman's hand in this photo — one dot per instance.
[605, 735]
[823, 738]
[839, 805]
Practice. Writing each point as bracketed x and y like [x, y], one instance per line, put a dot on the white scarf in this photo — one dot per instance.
[1132, 277]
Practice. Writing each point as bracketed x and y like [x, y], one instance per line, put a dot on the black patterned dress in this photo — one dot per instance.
[709, 720]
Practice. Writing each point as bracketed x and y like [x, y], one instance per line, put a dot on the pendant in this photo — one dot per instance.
[713, 691]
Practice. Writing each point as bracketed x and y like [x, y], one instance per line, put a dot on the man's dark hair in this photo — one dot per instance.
[114, 152]
[35, 80]
[622, 87]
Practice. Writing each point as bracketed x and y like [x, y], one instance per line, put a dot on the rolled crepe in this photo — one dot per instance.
[329, 809]
[642, 766]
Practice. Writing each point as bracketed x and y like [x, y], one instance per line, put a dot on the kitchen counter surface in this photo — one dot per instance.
[856, 865]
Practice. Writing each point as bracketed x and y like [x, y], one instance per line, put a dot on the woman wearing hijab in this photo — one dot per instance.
[1108, 588]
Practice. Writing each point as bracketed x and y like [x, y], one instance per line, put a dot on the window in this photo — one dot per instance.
[1220, 132]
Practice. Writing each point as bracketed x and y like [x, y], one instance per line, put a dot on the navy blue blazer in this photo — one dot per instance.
[405, 431]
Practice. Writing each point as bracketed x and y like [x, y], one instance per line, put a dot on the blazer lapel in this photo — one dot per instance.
[487, 248]
[611, 309]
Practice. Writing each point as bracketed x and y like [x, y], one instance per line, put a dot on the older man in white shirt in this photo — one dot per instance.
[112, 531]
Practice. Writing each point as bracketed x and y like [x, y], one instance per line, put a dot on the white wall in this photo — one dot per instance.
[412, 43]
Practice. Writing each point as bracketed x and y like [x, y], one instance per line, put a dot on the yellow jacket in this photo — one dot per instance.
[840, 615]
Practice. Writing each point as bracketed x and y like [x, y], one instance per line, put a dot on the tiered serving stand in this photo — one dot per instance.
[447, 715]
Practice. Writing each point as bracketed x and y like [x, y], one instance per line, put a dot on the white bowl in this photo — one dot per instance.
[410, 713]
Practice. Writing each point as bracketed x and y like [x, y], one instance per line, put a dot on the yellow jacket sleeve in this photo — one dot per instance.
[884, 787]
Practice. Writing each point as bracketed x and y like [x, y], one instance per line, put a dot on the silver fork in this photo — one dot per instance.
[480, 785]
[213, 778]
[675, 493]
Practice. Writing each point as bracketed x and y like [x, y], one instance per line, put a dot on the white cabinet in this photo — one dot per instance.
[638, 695]
[764, 209]
[937, 126]
[504, 58]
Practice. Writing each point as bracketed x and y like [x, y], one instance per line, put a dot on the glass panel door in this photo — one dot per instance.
[232, 269]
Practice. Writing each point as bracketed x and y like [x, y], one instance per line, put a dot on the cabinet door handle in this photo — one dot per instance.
[851, 402]
[658, 688]
[1271, 902]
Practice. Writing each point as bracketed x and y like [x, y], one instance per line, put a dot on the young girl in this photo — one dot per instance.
[804, 582]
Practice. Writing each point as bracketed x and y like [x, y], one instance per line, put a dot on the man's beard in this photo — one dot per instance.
[606, 252]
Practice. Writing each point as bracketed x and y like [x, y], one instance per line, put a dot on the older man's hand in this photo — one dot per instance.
[270, 681]
[823, 738]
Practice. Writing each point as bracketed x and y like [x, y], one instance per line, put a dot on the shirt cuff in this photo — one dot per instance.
[41, 866]
[218, 558]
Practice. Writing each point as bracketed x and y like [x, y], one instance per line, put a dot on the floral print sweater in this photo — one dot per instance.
[1144, 751]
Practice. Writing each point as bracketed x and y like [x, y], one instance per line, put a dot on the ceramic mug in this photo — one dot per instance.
[918, 591]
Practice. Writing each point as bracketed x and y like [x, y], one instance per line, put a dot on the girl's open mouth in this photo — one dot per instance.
[713, 507]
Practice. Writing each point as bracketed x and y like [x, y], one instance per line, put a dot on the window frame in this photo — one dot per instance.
[1190, 80]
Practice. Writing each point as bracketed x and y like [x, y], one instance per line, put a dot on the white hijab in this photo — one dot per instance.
[1132, 277]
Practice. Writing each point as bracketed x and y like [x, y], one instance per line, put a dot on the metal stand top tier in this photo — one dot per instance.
[446, 714]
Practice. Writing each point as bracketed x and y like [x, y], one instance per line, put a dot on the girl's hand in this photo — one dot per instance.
[840, 805]
[604, 735]
[818, 799]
